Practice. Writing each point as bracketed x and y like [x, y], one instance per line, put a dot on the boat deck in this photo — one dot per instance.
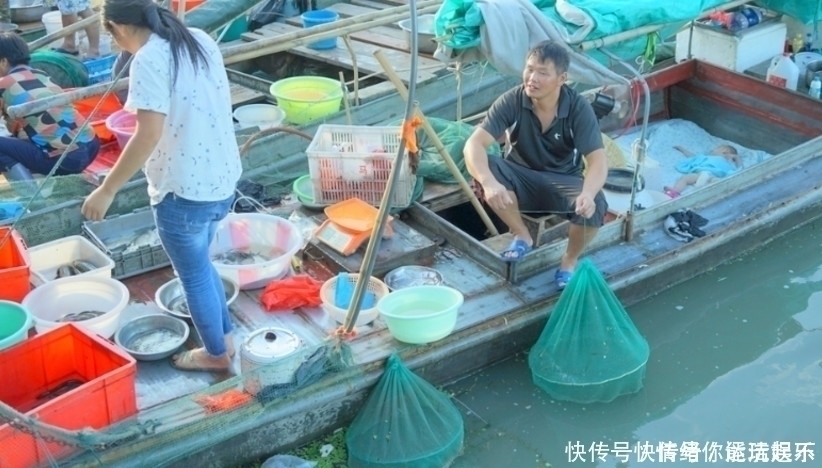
[354, 53]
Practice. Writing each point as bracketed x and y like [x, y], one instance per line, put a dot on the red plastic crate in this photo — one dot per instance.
[66, 377]
[14, 266]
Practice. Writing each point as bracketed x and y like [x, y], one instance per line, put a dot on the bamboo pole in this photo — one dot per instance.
[64, 98]
[452, 166]
[283, 42]
[70, 29]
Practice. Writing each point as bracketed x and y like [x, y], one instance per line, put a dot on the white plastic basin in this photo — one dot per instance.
[52, 303]
[259, 115]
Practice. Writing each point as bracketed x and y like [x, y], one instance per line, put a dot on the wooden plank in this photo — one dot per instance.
[366, 62]
[407, 247]
[386, 36]
[438, 196]
[242, 95]
[377, 5]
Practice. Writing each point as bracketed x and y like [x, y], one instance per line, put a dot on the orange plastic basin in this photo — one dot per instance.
[353, 214]
[110, 105]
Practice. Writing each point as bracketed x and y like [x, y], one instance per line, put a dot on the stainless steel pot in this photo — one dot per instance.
[24, 11]
[269, 356]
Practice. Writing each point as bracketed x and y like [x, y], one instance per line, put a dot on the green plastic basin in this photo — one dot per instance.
[15, 321]
[307, 98]
[421, 314]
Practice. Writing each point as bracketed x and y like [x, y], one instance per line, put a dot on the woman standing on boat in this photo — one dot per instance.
[184, 141]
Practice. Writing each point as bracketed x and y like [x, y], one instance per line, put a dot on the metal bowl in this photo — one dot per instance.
[27, 11]
[152, 337]
[412, 275]
[170, 298]
[29, 14]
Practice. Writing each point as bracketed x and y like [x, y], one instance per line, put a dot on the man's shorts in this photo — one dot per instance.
[70, 7]
[546, 192]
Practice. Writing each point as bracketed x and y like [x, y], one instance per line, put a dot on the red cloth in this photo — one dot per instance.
[292, 292]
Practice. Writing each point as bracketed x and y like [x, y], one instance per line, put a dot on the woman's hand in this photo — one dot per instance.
[97, 204]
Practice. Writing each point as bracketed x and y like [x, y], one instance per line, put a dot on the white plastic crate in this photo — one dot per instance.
[350, 161]
[47, 258]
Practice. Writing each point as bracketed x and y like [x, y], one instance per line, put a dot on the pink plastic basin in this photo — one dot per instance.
[122, 124]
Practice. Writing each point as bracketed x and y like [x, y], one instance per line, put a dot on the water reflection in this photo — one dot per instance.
[735, 357]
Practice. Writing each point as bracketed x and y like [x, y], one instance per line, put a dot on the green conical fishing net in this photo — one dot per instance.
[406, 423]
[590, 350]
[452, 135]
[66, 71]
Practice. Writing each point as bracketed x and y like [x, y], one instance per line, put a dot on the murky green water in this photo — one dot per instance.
[734, 378]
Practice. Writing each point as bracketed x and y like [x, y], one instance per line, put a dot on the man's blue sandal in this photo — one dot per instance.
[562, 278]
[515, 251]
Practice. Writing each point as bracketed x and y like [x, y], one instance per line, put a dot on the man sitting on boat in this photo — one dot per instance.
[547, 126]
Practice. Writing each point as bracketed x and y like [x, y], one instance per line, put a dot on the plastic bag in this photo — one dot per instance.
[290, 293]
[405, 423]
[590, 350]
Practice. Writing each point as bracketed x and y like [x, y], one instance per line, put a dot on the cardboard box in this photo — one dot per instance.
[66, 377]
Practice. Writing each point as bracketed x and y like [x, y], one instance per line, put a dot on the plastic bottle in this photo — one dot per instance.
[816, 88]
[783, 72]
[745, 18]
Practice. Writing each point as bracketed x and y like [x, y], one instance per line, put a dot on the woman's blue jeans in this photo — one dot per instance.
[186, 229]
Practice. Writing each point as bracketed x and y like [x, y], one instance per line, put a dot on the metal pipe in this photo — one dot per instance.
[639, 146]
[370, 256]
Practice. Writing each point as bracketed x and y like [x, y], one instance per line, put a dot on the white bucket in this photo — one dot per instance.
[783, 72]
[53, 22]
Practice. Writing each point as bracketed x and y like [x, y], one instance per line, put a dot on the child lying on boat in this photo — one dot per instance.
[701, 169]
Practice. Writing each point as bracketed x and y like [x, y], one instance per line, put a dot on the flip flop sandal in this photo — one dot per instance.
[66, 51]
[562, 278]
[672, 193]
[515, 251]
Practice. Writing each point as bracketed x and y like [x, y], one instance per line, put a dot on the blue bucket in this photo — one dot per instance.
[316, 18]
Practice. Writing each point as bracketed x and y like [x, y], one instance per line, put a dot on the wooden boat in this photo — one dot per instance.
[505, 304]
